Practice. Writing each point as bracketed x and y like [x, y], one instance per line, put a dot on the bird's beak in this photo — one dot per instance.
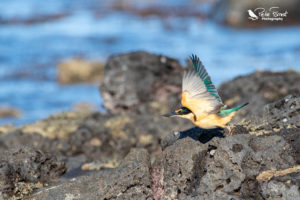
[171, 114]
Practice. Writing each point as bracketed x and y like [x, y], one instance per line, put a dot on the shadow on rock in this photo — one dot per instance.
[202, 135]
[196, 133]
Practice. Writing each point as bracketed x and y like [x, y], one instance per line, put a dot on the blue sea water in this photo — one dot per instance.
[29, 53]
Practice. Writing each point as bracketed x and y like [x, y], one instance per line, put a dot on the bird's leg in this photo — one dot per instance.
[230, 130]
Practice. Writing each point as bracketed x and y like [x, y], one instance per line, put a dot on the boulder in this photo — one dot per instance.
[141, 82]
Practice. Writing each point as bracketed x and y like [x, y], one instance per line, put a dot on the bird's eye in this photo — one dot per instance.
[184, 110]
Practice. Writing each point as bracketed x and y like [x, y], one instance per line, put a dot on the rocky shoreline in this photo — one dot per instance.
[132, 152]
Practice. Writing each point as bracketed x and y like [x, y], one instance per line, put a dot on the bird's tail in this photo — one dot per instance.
[226, 112]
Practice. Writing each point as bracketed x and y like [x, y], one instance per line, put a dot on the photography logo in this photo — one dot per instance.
[272, 14]
[252, 15]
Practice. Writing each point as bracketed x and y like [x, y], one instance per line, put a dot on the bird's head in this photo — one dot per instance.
[183, 112]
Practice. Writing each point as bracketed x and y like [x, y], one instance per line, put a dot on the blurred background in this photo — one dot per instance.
[52, 53]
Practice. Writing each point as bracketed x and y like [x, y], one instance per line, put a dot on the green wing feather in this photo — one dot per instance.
[201, 71]
[223, 113]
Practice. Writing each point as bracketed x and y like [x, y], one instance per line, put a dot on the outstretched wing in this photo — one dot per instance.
[198, 92]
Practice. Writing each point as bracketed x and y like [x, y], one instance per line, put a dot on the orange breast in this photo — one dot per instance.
[214, 121]
[200, 107]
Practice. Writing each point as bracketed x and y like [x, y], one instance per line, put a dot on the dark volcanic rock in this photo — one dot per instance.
[223, 168]
[117, 134]
[292, 136]
[19, 138]
[278, 116]
[26, 165]
[137, 78]
[226, 168]
[103, 139]
[284, 113]
[259, 89]
[131, 180]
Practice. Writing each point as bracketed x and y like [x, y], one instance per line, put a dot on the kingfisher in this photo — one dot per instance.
[200, 100]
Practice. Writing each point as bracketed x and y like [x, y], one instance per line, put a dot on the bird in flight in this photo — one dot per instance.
[200, 100]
